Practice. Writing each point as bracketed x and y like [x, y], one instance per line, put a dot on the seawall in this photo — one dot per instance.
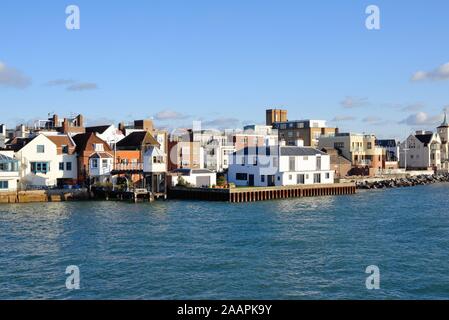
[43, 196]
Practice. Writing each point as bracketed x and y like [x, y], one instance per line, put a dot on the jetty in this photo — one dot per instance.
[253, 194]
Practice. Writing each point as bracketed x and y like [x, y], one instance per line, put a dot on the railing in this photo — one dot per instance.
[128, 166]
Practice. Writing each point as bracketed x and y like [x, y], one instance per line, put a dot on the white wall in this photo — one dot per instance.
[282, 174]
[192, 179]
[29, 154]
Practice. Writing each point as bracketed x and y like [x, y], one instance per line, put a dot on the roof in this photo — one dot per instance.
[6, 159]
[386, 143]
[17, 143]
[136, 140]
[101, 155]
[61, 140]
[154, 151]
[98, 129]
[188, 171]
[82, 139]
[444, 124]
[300, 151]
[425, 138]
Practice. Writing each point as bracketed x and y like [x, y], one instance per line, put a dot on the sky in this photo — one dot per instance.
[225, 62]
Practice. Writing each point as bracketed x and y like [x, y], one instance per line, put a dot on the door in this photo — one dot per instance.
[271, 182]
[202, 181]
[251, 180]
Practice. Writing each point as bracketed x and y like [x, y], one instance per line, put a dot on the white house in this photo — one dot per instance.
[48, 161]
[280, 166]
[9, 171]
[155, 169]
[194, 177]
[421, 151]
[101, 165]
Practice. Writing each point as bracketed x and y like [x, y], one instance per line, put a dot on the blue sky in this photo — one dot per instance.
[224, 62]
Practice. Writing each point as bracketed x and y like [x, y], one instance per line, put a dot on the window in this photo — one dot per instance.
[94, 163]
[370, 145]
[61, 166]
[300, 179]
[262, 178]
[68, 166]
[292, 163]
[104, 163]
[306, 158]
[241, 176]
[328, 175]
[40, 148]
[98, 147]
[40, 167]
[318, 163]
[4, 185]
[254, 161]
[339, 145]
[317, 178]
[65, 149]
[290, 177]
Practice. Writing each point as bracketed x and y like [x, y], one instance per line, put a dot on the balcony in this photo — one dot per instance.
[135, 166]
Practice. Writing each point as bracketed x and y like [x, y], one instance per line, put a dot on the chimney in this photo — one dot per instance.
[55, 121]
[80, 120]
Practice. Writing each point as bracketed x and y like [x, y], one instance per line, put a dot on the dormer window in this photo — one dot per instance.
[98, 147]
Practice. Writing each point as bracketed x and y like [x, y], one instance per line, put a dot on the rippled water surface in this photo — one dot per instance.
[314, 248]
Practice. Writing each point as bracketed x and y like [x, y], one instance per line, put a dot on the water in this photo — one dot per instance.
[314, 248]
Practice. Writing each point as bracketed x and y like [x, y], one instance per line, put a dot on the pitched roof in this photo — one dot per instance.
[17, 143]
[61, 140]
[136, 140]
[101, 155]
[81, 140]
[425, 138]
[300, 151]
[98, 129]
[188, 171]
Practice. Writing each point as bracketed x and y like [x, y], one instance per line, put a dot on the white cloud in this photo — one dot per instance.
[422, 119]
[343, 118]
[438, 74]
[11, 77]
[222, 123]
[82, 86]
[59, 82]
[169, 115]
[372, 119]
[354, 102]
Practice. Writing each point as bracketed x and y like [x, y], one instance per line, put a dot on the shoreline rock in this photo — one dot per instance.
[403, 182]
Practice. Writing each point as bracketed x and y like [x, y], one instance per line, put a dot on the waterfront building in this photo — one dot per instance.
[366, 157]
[421, 151]
[342, 167]
[198, 178]
[155, 170]
[279, 166]
[46, 161]
[9, 171]
[101, 165]
[89, 145]
[309, 131]
[130, 156]
[185, 154]
[443, 132]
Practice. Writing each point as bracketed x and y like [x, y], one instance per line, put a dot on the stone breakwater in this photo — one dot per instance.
[404, 182]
